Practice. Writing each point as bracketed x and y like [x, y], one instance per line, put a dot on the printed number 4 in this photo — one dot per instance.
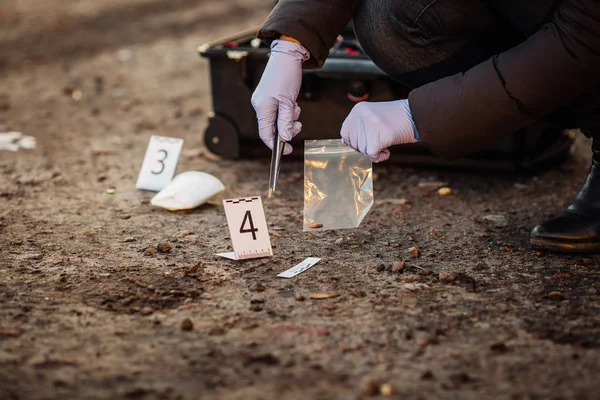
[248, 219]
[162, 162]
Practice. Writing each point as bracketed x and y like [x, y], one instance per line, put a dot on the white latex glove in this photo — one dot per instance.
[274, 99]
[372, 128]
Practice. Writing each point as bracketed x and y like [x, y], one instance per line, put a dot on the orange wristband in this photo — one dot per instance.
[289, 39]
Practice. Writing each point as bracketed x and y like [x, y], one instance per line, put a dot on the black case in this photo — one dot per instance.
[327, 96]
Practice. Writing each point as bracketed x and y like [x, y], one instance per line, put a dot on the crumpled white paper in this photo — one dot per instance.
[188, 190]
[13, 141]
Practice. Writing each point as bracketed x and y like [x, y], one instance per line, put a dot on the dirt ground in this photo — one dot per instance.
[85, 314]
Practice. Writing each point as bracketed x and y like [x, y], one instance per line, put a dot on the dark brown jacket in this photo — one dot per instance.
[462, 113]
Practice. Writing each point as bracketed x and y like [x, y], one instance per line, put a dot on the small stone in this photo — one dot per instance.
[386, 390]
[145, 125]
[538, 290]
[299, 297]
[322, 296]
[164, 247]
[414, 251]
[193, 268]
[410, 278]
[434, 233]
[398, 266]
[217, 331]
[371, 388]
[446, 277]
[497, 220]
[498, 348]
[4, 104]
[427, 375]
[126, 105]
[562, 275]
[102, 152]
[339, 241]
[187, 325]
[456, 380]
[445, 191]
[256, 307]
[77, 95]
[146, 311]
[556, 295]
[183, 234]
[195, 111]
[149, 251]
[129, 239]
[259, 287]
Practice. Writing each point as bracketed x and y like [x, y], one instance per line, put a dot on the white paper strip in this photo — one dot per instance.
[300, 268]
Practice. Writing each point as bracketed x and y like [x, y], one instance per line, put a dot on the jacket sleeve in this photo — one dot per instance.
[315, 23]
[460, 114]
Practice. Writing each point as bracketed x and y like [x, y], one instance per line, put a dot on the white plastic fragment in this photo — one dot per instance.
[188, 190]
[13, 141]
[300, 268]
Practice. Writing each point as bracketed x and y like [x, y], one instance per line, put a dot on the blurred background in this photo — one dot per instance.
[87, 68]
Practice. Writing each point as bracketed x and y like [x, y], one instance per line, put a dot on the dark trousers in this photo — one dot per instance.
[420, 41]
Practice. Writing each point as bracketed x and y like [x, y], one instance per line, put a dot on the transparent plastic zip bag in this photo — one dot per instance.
[338, 185]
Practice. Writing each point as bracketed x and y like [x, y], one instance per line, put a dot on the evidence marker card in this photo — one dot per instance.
[159, 163]
[248, 227]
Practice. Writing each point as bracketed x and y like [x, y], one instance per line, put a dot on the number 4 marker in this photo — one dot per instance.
[248, 228]
[252, 230]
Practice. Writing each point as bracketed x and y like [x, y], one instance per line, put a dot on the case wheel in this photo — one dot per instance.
[222, 137]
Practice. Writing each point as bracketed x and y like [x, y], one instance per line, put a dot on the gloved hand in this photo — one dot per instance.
[372, 128]
[274, 99]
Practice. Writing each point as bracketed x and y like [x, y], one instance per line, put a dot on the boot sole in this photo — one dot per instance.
[564, 247]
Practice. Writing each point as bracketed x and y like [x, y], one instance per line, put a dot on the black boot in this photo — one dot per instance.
[577, 229]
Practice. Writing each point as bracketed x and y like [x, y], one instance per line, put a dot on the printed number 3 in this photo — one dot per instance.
[162, 162]
[248, 219]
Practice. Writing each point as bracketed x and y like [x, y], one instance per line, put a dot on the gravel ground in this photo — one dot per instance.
[85, 313]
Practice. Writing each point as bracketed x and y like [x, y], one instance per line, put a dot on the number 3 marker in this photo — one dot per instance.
[159, 163]
[248, 228]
